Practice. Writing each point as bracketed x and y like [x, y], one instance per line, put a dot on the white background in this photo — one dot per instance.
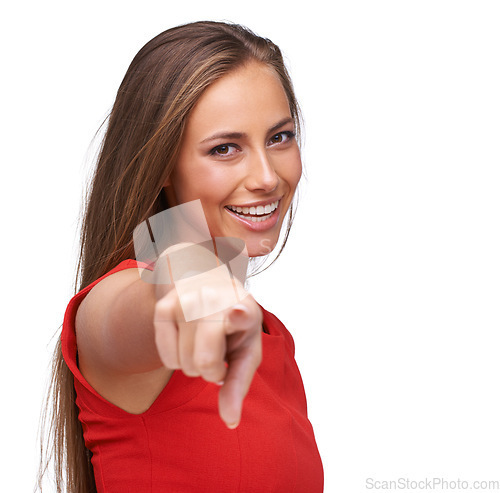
[390, 280]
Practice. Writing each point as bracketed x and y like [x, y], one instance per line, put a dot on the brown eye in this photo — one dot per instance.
[222, 149]
[282, 137]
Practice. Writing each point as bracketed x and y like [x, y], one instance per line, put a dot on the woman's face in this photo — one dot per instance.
[239, 156]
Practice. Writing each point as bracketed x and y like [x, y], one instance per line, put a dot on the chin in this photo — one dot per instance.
[261, 249]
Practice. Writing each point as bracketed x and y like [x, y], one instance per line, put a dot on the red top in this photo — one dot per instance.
[180, 444]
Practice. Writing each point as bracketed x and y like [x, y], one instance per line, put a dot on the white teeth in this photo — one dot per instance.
[258, 219]
[257, 214]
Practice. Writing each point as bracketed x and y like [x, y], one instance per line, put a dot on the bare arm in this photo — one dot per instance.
[129, 338]
[114, 324]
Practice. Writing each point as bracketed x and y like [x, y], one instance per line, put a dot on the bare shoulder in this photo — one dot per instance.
[96, 304]
[96, 309]
[115, 341]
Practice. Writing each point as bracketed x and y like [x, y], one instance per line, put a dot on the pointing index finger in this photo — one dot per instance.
[244, 355]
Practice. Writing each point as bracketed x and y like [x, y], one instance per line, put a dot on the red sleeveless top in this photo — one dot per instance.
[180, 444]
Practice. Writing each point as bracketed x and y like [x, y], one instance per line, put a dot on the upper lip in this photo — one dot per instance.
[255, 204]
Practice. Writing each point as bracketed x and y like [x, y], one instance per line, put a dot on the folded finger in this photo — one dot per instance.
[187, 333]
[166, 338]
[210, 349]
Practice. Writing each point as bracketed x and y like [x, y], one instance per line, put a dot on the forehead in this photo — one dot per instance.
[249, 97]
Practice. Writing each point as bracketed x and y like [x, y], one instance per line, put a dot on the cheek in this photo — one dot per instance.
[193, 183]
[209, 184]
[292, 169]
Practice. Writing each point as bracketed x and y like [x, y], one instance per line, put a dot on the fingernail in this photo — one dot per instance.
[240, 308]
[232, 426]
[220, 384]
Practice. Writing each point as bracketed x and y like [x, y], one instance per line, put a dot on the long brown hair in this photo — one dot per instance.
[140, 148]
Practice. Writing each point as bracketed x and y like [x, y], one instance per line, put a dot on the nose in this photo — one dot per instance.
[261, 174]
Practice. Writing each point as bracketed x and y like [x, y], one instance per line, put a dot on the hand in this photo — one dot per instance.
[224, 348]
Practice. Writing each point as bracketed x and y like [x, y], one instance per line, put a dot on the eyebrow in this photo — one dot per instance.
[240, 135]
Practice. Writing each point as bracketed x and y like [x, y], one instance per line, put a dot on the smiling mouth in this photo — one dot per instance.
[254, 214]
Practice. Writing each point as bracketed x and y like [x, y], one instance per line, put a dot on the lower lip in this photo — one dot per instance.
[258, 226]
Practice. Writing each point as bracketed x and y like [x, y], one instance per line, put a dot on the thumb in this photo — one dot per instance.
[239, 317]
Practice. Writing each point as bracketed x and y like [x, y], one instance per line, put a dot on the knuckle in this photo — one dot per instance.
[171, 362]
[190, 371]
[206, 361]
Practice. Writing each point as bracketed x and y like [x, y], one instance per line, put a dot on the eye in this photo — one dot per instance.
[223, 150]
[282, 137]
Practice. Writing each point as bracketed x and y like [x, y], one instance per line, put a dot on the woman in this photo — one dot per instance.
[146, 398]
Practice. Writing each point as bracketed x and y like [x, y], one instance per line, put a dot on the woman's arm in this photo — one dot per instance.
[115, 338]
[114, 324]
[130, 339]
